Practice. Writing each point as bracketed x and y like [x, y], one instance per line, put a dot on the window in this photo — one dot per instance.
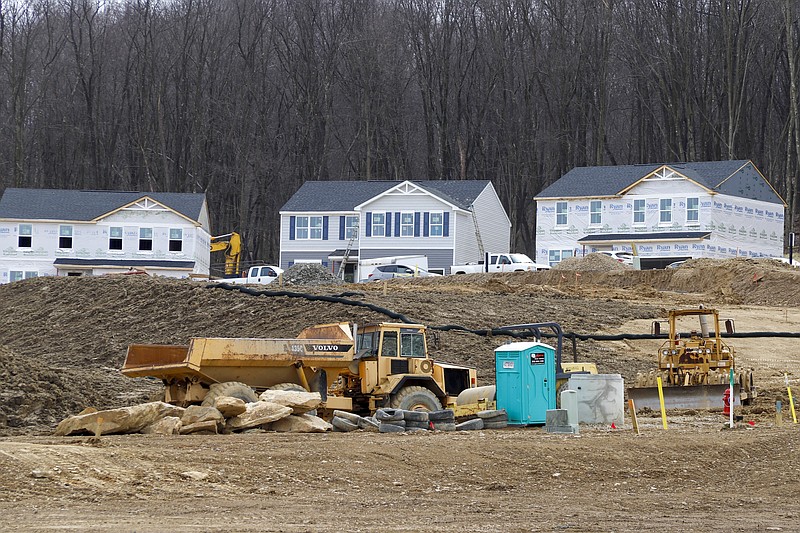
[556, 256]
[692, 211]
[638, 212]
[406, 224]
[115, 238]
[350, 227]
[146, 239]
[389, 346]
[596, 212]
[436, 225]
[25, 236]
[65, 237]
[17, 275]
[309, 228]
[412, 343]
[665, 209]
[561, 213]
[175, 240]
[378, 224]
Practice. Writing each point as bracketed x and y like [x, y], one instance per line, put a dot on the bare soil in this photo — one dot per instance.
[63, 340]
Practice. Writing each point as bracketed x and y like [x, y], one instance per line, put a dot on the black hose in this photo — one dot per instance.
[339, 299]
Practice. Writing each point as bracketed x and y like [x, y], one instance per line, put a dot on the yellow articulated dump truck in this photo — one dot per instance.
[380, 365]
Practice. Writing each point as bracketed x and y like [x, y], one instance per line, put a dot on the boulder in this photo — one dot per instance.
[301, 424]
[230, 406]
[197, 413]
[113, 421]
[169, 425]
[205, 427]
[300, 401]
[258, 414]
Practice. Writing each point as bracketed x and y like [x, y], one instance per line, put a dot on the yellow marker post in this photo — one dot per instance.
[661, 401]
[791, 401]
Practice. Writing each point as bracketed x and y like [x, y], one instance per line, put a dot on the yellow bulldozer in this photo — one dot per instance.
[694, 366]
[360, 370]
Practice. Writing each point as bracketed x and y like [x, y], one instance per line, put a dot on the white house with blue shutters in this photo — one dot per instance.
[449, 222]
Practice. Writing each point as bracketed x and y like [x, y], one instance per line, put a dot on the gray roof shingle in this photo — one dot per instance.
[67, 204]
[316, 196]
[736, 178]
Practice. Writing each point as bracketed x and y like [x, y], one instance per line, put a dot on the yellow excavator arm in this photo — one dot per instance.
[231, 244]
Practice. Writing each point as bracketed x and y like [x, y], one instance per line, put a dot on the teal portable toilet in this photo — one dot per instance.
[526, 381]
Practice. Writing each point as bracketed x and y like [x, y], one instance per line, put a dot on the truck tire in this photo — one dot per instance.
[288, 386]
[234, 389]
[416, 398]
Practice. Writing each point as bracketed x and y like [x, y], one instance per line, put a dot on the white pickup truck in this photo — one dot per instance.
[257, 275]
[500, 262]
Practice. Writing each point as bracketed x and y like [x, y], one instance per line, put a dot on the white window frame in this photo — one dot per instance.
[665, 211]
[554, 257]
[406, 224]
[308, 228]
[436, 227]
[19, 275]
[351, 227]
[378, 224]
[145, 235]
[595, 213]
[65, 232]
[561, 215]
[25, 230]
[111, 237]
[642, 211]
[693, 220]
[175, 241]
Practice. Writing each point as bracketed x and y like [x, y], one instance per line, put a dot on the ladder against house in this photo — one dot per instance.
[481, 251]
[346, 255]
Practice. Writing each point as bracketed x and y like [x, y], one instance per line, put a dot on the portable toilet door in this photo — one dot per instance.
[526, 381]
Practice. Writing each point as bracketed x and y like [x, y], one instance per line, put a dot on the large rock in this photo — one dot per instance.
[230, 406]
[301, 424]
[300, 401]
[258, 414]
[195, 414]
[169, 425]
[112, 421]
[205, 427]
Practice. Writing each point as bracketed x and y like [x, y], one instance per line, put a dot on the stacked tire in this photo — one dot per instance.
[494, 418]
[390, 420]
[443, 420]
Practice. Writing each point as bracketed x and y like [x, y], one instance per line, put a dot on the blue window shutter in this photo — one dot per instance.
[446, 230]
[387, 232]
[341, 228]
[369, 224]
[416, 224]
[291, 228]
[426, 220]
[325, 228]
[397, 224]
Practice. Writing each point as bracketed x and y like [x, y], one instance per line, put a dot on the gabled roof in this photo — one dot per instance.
[80, 205]
[736, 178]
[333, 196]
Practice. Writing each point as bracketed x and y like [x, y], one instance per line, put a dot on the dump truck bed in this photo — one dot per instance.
[260, 362]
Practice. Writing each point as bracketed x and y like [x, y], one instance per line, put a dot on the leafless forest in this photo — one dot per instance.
[246, 99]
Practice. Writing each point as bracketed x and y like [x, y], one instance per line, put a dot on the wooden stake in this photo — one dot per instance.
[634, 420]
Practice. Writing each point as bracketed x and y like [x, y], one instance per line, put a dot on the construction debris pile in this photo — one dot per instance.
[310, 274]
[275, 410]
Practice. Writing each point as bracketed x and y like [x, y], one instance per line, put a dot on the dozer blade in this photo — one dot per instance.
[688, 397]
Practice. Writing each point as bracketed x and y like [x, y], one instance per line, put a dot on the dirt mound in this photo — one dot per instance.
[310, 274]
[592, 263]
